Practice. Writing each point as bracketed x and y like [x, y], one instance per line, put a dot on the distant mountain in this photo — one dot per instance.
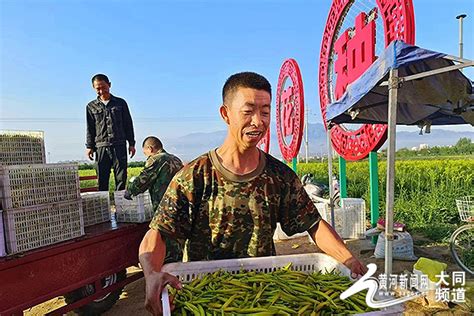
[437, 137]
[192, 145]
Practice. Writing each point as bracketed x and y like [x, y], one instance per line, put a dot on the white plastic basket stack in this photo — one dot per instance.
[41, 205]
[349, 218]
[95, 207]
[31, 185]
[21, 147]
[465, 207]
[38, 226]
[138, 210]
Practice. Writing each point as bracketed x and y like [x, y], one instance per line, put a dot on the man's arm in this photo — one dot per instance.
[171, 220]
[128, 125]
[146, 178]
[90, 133]
[329, 241]
[151, 254]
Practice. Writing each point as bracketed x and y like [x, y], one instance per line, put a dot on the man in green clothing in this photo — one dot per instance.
[160, 167]
[227, 202]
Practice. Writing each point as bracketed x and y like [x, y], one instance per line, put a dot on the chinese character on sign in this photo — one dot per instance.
[424, 283]
[442, 279]
[383, 281]
[288, 111]
[459, 295]
[459, 277]
[414, 281]
[442, 294]
[393, 281]
[354, 53]
[403, 280]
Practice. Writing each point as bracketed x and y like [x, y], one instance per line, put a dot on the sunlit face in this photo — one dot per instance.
[248, 116]
[147, 150]
[102, 88]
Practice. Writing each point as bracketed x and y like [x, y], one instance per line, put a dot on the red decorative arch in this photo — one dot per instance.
[399, 23]
[290, 109]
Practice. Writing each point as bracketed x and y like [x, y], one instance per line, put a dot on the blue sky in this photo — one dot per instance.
[168, 59]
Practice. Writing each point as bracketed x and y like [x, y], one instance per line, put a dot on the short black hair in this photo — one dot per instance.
[100, 77]
[153, 142]
[245, 80]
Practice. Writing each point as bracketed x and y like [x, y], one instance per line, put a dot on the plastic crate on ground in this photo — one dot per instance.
[338, 218]
[354, 225]
[31, 185]
[465, 207]
[95, 207]
[22, 147]
[349, 219]
[3, 251]
[38, 226]
[138, 210]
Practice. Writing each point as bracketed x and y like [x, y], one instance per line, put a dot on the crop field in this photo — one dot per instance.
[425, 190]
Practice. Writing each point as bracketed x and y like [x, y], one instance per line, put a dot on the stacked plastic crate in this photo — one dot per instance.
[349, 219]
[41, 202]
[137, 210]
[21, 147]
[95, 207]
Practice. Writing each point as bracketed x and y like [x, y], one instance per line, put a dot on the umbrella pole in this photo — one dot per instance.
[331, 188]
[392, 128]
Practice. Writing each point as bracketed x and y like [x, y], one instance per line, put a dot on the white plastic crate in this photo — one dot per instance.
[38, 226]
[338, 218]
[138, 210]
[307, 263]
[3, 251]
[466, 208]
[349, 219]
[22, 147]
[95, 207]
[354, 225]
[188, 271]
[31, 185]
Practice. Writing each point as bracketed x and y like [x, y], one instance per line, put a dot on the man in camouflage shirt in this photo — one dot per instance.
[160, 167]
[227, 202]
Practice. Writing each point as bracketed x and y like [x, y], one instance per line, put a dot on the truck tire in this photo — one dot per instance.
[99, 305]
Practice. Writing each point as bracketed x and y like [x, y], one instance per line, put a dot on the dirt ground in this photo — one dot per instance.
[132, 299]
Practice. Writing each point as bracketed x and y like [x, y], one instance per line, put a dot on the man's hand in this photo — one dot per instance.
[90, 153]
[132, 151]
[155, 283]
[127, 195]
[357, 268]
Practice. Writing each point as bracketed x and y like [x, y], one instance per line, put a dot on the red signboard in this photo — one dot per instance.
[290, 109]
[354, 51]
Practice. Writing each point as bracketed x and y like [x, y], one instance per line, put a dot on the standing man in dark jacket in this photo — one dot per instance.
[109, 127]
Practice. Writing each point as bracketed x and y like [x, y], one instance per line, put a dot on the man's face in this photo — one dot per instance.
[102, 88]
[248, 116]
[147, 150]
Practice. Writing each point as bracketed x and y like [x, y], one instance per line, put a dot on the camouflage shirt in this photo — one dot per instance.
[155, 177]
[223, 215]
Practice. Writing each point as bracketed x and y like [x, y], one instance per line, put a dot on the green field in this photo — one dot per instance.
[425, 190]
